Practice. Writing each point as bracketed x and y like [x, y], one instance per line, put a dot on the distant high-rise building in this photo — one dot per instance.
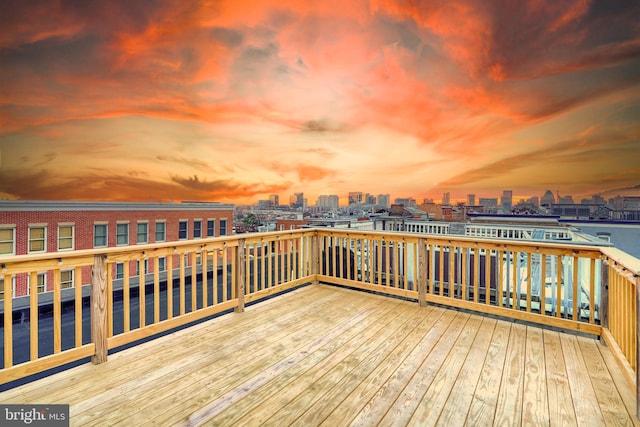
[446, 198]
[489, 204]
[565, 200]
[275, 200]
[407, 202]
[599, 200]
[471, 199]
[506, 201]
[297, 200]
[535, 201]
[370, 199]
[547, 199]
[383, 200]
[355, 197]
[328, 202]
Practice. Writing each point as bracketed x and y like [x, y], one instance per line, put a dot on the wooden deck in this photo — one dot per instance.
[323, 355]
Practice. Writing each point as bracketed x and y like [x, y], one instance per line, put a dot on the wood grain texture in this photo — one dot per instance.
[326, 355]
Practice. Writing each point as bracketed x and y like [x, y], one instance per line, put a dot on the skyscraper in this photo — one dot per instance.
[446, 198]
[384, 200]
[355, 197]
[274, 200]
[471, 199]
[506, 201]
[548, 199]
[297, 200]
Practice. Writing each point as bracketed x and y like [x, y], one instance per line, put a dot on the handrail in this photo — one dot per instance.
[577, 287]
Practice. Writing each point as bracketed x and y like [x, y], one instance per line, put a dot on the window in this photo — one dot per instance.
[183, 227]
[99, 235]
[119, 270]
[162, 264]
[122, 234]
[223, 227]
[143, 232]
[293, 227]
[161, 231]
[41, 282]
[197, 229]
[145, 265]
[13, 287]
[66, 279]
[7, 241]
[37, 239]
[211, 228]
[65, 237]
[281, 227]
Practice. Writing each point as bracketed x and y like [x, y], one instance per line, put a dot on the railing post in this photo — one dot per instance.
[99, 309]
[638, 348]
[240, 276]
[604, 296]
[315, 259]
[421, 274]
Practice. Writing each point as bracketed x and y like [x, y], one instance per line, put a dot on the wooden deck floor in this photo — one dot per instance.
[323, 355]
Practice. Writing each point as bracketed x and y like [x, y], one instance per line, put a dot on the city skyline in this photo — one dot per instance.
[236, 101]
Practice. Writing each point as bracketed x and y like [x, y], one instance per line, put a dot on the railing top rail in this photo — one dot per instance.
[451, 238]
[630, 263]
[148, 247]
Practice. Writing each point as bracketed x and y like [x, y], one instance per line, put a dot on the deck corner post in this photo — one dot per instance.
[421, 274]
[241, 275]
[99, 318]
[315, 259]
[604, 296]
[638, 347]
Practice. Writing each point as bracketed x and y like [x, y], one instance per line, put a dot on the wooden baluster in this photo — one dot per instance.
[99, 309]
[421, 272]
[240, 277]
[33, 314]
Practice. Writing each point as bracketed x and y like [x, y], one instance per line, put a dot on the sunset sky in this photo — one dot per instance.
[234, 100]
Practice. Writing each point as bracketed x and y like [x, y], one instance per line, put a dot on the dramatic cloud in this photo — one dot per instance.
[236, 100]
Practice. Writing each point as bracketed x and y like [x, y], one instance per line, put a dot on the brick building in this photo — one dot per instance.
[31, 227]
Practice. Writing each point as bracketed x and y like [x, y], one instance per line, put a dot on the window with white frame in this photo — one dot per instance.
[122, 234]
[143, 232]
[99, 235]
[41, 282]
[119, 270]
[37, 238]
[7, 241]
[161, 231]
[162, 264]
[197, 229]
[223, 227]
[65, 237]
[66, 279]
[211, 228]
[183, 229]
[13, 287]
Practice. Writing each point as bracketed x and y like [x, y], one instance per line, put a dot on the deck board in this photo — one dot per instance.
[325, 355]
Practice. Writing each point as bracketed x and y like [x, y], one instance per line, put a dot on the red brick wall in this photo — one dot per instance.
[296, 223]
[83, 222]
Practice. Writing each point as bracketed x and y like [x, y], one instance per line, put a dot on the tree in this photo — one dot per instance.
[251, 219]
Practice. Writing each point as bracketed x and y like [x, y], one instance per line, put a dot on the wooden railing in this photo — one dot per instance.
[137, 292]
[621, 277]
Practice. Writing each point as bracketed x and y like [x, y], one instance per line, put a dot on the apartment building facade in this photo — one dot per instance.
[32, 227]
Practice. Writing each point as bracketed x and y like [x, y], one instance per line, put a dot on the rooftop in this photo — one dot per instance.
[324, 355]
